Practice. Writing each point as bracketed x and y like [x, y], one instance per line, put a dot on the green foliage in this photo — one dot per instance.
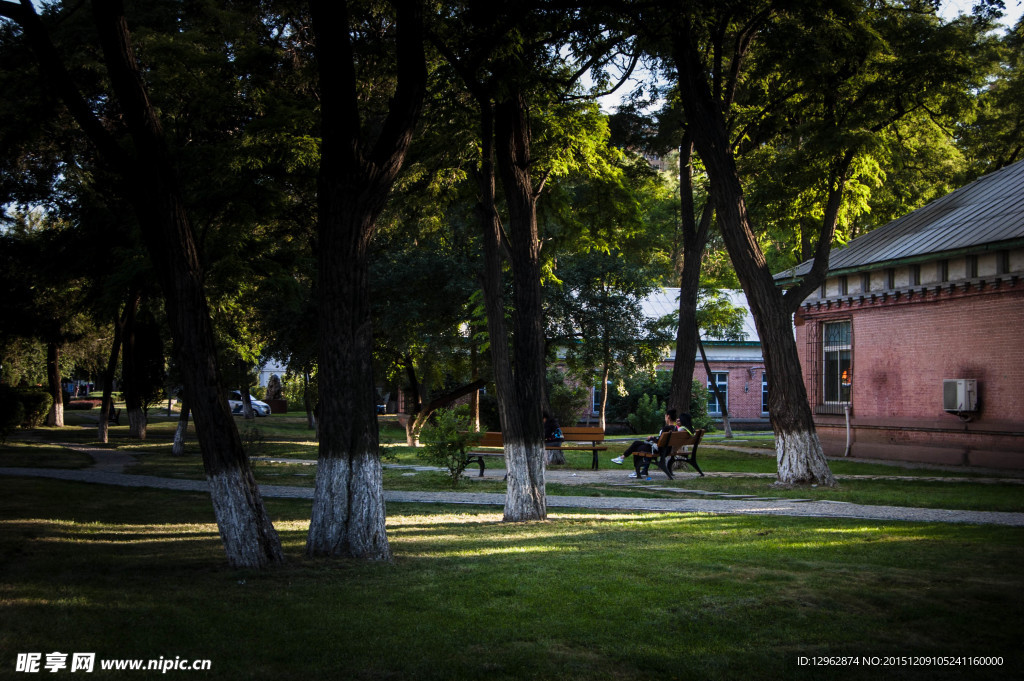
[626, 400]
[649, 416]
[568, 400]
[36, 404]
[699, 407]
[12, 412]
[447, 439]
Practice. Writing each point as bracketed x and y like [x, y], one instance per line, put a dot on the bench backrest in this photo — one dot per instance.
[682, 439]
[588, 433]
[490, 439]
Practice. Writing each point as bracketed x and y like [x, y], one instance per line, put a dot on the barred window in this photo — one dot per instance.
[837, 351]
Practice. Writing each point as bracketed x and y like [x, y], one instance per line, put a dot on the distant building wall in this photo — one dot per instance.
[902, 344]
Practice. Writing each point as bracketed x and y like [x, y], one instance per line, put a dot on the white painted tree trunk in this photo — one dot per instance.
[137, 424]
[526, 498]
[348, 518]
[178, 448]
[801, 460]
[55, 417]
[250, 539]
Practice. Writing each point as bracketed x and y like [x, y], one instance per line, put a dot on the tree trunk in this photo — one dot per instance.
[249, 537]
[148, 180]
[307, 402]
[718, 393]
[605, 372]
[416, 421]
[474, 399]
[695, 236]
[799, 454]
[130, 378]
[523, 432]
[355, 178]
[178, 448]
[55, 417]
[242, 369]
[107, 404]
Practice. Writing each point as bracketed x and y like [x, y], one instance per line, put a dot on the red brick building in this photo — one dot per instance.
[918, 333]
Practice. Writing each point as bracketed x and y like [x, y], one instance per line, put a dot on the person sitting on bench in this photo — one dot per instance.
[644, 450]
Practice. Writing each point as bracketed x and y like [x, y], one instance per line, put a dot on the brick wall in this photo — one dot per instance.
[903, 348]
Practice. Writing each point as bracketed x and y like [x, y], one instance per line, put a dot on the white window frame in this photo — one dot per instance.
[723, 387]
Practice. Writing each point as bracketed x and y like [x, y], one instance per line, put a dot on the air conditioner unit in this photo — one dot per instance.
[960, 394]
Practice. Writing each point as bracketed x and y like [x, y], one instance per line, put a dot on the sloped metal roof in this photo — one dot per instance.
[666, 302]
[986, 212]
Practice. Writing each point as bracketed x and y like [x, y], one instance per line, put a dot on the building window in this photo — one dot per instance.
[1003, 262]
[890, 278]
[844, 285]
[837, 353]
[943, 270]
[721, 379]
[865, 282]
[764, 392]
[915, 275]
[972, 266]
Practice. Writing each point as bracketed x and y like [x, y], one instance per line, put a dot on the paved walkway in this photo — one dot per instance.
[109, 466]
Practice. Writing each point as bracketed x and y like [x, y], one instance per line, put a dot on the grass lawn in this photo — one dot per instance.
[287, 436]
[586, 595]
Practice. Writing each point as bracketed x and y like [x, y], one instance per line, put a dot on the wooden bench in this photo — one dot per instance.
[580, 434]
[676, 451]
[488, 439]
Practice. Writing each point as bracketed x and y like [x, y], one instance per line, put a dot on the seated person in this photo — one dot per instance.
[644, 450]
[552, 431]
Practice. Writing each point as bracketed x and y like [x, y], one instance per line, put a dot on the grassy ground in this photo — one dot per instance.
[139, 574]
[287, 436]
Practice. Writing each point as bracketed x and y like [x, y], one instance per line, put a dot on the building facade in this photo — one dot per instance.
[915, 343]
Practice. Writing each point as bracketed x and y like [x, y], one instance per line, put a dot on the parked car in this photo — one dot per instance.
[235, 402]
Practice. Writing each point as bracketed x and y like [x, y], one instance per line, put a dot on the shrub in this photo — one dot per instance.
[12, 413]
[37, 404]
[446, 440]
[649, 416]
[84, 404]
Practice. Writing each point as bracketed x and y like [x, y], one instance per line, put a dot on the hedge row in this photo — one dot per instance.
[84, 404]
[22, 407]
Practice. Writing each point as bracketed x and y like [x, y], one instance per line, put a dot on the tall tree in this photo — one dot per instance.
[858, 67]
[150, 183]
[365, 139]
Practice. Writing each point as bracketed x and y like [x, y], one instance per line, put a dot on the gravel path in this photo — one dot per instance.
[782, 507]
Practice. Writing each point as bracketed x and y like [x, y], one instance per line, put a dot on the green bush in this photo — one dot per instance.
[447, 439]
[649, 416]
[658, 386]
[37, 404]
[12, 412]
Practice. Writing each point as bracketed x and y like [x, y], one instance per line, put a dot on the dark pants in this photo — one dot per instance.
[641, 464]
[638, 446]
